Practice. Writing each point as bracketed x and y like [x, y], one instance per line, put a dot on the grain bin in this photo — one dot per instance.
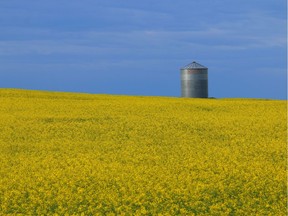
[194, 81]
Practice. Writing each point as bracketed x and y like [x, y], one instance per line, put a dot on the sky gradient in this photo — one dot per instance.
[137, 47]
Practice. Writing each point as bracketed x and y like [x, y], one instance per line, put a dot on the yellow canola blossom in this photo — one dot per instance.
[82, 154]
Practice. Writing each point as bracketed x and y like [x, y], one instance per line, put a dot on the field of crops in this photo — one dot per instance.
[73, 154]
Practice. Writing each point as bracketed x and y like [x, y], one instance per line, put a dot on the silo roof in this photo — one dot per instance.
[194, 65]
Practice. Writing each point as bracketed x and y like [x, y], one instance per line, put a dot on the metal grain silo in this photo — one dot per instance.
[194, 81]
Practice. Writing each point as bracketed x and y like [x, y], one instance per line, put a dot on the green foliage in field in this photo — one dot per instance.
[64, 153]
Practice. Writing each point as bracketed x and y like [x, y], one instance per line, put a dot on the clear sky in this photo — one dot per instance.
[136, 47]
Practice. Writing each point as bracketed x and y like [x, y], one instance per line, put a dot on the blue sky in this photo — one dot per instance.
[137, 47]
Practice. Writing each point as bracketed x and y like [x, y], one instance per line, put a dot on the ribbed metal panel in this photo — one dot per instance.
[194, 65]
[194, 81]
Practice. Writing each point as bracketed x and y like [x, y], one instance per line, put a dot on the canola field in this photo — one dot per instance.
[84, 154]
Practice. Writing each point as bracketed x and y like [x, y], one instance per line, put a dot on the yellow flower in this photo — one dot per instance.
[81, 154]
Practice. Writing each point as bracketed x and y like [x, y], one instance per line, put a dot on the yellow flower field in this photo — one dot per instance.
[83, 154]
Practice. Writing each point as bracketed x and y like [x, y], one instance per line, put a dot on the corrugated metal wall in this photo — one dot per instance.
[194, 82]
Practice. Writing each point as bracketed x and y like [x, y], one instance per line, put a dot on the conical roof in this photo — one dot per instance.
[194, 65]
